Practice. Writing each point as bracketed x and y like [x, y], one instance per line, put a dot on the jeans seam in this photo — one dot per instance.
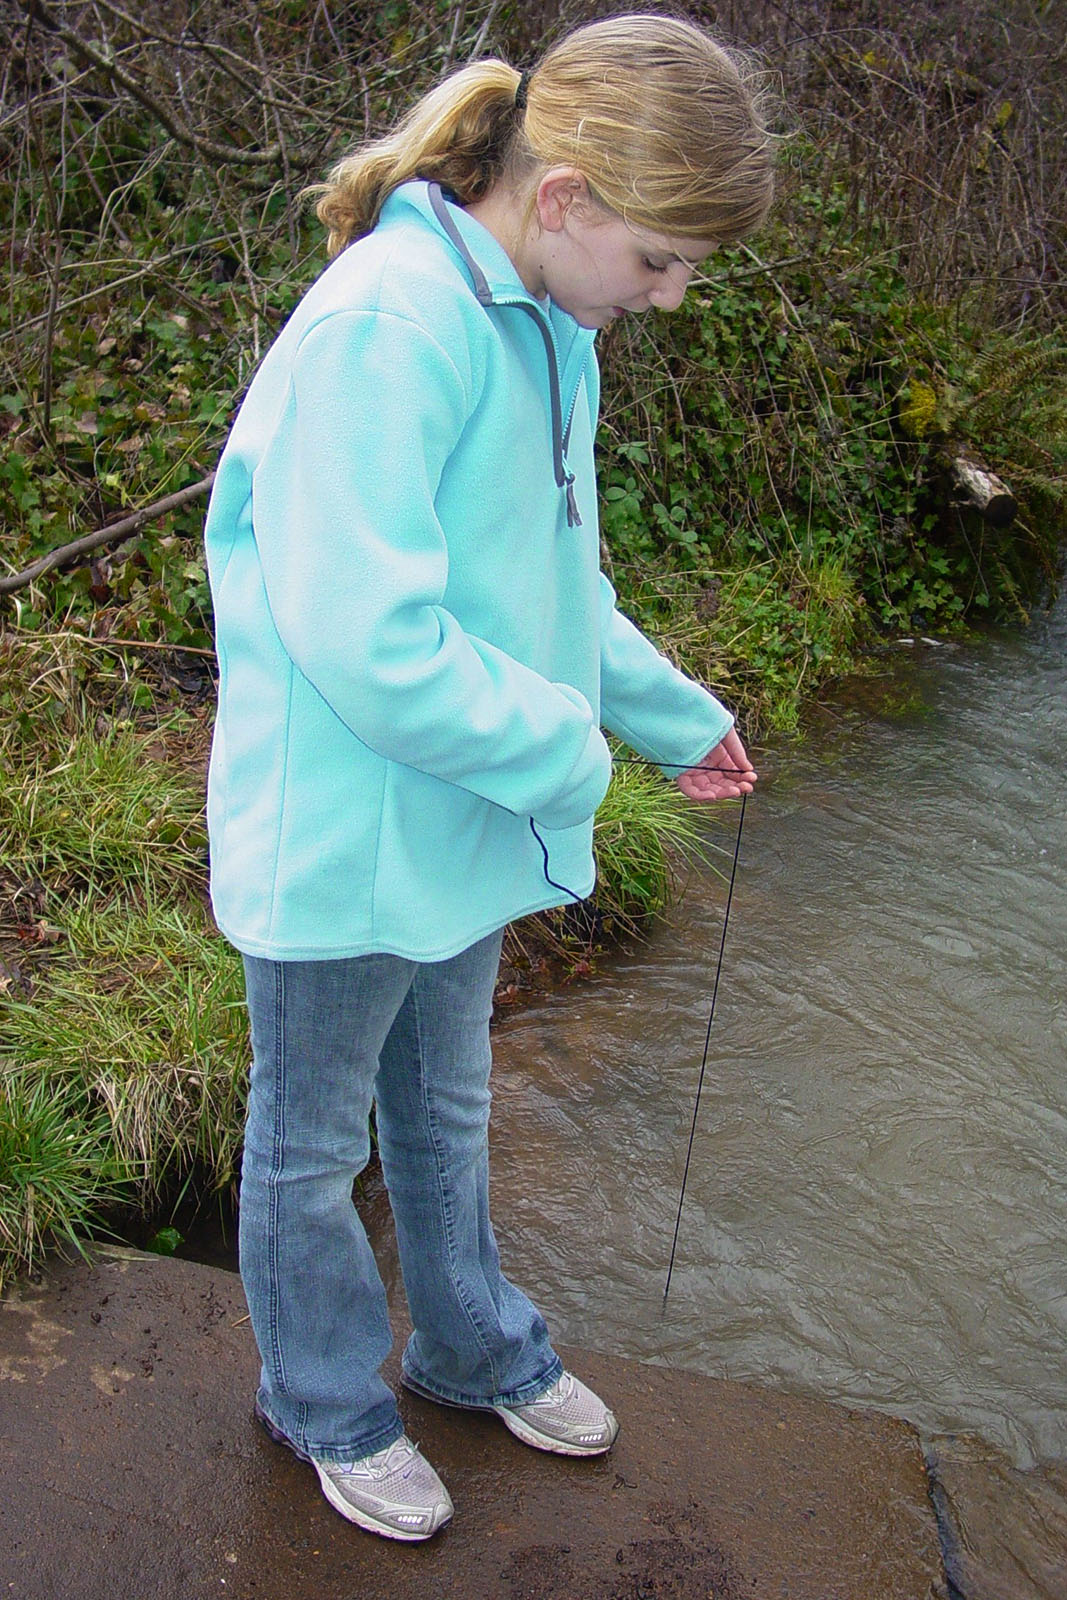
[274, 1175]
[446, 1208]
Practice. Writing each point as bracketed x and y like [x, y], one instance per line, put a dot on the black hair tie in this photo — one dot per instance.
[521, 91]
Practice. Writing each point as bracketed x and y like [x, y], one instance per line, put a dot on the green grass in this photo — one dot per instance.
[106, 810]
[57, 1176]
[645, 833]
[123, 1034]
[145, 1013]
[136, 1036]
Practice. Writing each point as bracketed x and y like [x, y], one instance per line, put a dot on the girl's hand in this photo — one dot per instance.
[724, 774]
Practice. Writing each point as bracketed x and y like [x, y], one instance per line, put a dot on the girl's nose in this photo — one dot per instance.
[669, 291]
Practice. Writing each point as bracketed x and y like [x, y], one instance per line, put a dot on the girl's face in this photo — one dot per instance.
[596, 266]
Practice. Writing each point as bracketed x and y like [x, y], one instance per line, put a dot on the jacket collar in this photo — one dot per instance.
[495, 282]
[490, 269]
[487, 263]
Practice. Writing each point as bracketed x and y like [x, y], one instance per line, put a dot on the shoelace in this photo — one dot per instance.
[396, 1457]
[561, 1390]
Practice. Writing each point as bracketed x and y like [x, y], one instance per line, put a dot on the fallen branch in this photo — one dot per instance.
[985, 491]
[114, 530]
[145, 270]
[91, 642]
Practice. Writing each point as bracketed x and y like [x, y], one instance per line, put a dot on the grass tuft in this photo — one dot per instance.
[106, 811]
[645, 831]
[57, 1176]
[146, 1015]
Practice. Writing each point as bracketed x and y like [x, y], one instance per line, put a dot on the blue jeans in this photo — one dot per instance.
[328, 1037]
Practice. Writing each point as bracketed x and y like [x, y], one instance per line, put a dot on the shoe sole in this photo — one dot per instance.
[351, 1513]
[516, 1425]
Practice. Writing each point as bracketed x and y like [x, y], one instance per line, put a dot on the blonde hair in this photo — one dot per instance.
[665, 123]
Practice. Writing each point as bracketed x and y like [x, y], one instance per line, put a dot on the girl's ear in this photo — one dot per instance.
[561, 190]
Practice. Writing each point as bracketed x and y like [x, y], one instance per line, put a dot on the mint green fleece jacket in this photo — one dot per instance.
[416, 647]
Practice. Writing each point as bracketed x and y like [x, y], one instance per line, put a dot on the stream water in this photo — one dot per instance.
[877, 1203]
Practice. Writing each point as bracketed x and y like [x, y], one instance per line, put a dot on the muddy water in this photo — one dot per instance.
[877, 1203]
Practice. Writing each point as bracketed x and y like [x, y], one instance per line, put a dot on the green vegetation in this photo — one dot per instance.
[775, 457]
[776, 464]
[123, 1034]
[645, 831]
[57, 1175]
[776, 460]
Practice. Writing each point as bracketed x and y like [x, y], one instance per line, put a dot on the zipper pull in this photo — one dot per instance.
[573, 517]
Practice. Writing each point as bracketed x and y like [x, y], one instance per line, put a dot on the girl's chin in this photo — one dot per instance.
[598, 318]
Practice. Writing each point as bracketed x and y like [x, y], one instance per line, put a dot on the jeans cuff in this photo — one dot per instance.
[448, 1396]
[336, 1454]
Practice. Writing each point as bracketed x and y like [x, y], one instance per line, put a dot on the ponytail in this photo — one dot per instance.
[460, 134]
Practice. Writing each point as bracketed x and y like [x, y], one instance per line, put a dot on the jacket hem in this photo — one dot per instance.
[271, 950]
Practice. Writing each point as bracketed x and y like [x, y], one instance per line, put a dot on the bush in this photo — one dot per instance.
[795, 423]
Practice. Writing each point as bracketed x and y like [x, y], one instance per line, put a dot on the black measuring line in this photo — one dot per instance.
[676, 766]
[707, 1045]
[642, 761]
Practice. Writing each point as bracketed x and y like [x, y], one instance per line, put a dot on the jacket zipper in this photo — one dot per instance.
[485, 297]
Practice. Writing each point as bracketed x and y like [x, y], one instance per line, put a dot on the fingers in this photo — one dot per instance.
[724, 774]
[704, 783]
[736, 755]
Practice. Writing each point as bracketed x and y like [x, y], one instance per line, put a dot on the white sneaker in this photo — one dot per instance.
[568, 1419]
[394, 1492]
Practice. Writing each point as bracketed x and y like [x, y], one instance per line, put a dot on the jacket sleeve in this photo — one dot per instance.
[659, 712]
[355, 565]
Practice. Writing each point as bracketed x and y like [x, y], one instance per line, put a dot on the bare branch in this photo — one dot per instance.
[146, 270]
[232, 155]
[483, 32]
[115, 530]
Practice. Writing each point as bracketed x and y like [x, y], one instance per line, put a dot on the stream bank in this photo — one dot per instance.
[131, 1466]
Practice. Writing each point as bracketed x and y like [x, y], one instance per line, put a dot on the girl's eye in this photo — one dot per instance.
[654, 266]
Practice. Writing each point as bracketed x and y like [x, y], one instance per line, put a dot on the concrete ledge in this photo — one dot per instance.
[131, 1468]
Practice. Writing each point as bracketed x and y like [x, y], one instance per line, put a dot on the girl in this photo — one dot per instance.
[417, 652]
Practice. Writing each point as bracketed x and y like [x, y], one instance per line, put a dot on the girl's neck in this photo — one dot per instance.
[513, 225]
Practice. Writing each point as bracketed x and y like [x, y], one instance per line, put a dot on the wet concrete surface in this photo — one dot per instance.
[130, 1467]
